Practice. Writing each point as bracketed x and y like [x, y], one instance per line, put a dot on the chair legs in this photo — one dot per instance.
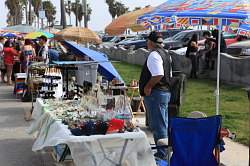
[217, 154]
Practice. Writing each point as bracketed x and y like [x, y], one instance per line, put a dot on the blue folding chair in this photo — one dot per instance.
[193, 141]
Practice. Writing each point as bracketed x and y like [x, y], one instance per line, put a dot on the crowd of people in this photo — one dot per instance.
[16, 55]
[208, 53]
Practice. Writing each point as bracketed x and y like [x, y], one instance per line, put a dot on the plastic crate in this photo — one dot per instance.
[87, 72]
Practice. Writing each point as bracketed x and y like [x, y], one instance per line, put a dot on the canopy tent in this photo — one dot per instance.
[105, 67]
[78, 34]
[21, 28]
[198, 12]
[244, 30]
[125, 21]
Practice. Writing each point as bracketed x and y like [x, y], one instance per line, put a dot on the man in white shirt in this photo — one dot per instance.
[154, 85]
[43, 51]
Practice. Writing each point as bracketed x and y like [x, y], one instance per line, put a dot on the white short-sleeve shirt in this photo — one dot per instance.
[155, 64]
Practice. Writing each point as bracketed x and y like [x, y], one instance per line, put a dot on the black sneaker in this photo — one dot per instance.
[159, 156]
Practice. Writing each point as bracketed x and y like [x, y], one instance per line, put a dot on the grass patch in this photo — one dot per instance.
[234, 105]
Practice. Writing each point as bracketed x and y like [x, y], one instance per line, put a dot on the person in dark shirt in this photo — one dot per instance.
[214, 52]
[192, 49]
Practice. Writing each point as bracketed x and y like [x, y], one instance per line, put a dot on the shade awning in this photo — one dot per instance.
[78, 34]
[105, 67]
[198, 12]
[128, 20]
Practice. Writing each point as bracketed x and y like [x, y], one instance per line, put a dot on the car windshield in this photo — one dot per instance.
[179, 36]
[114, 39]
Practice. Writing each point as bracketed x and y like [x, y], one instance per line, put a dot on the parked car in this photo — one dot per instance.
[233, 38]
[107, 38]
[181, 39]
[141, 41]
[126, 43]
[170, 33]
[241, 48]
[116, 39]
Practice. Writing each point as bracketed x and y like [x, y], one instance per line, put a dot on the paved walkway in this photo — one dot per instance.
[15, 143]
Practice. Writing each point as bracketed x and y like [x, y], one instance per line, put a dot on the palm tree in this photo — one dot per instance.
[68, 10]
[15, 11]
[116, 8]
[120, 9]
[36, 6]
[77, 9]
[50, 11]
[112, 8]
[63, 16]
[87, 16]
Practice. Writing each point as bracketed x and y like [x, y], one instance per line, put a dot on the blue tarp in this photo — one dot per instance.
[73, 62]
[105, 67]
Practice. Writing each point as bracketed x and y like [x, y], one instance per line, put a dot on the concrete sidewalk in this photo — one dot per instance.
[16, 144]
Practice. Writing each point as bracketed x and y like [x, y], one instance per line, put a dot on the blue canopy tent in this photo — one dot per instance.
[105, 67]
[244, 30]
[200, 12]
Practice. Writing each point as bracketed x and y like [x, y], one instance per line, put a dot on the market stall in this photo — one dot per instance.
[94, 135]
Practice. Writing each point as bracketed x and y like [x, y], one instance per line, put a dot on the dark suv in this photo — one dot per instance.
[141, 42]
[181, 39]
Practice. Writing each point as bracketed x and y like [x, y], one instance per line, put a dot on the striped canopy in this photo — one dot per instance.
[125, 21]
[198, 12]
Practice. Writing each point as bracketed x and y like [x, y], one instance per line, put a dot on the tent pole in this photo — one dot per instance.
[218, 69]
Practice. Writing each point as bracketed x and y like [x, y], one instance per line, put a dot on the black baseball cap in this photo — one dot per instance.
[155, 37]
[43, 38]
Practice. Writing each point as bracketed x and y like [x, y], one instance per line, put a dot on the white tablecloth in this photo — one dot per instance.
[103, 150]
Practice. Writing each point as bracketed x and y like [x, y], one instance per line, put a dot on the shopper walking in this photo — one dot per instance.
[9, 54]
[154, 85]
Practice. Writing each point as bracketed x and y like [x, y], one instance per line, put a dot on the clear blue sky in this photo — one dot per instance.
[100, 16]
